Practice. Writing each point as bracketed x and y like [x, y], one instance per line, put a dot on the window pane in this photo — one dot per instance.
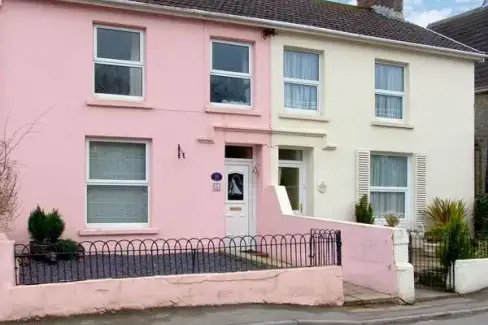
[235, 187]
[230, 90]
[117, 204]
[300, 96]
[290, 154]
[230, 57]
[238, 152]
[120, 161]
[383, 202]
[389, 171]
[118, 80]
[389, 107]
[290, 179]
[118, 45]
[389, 77]
[301, 65]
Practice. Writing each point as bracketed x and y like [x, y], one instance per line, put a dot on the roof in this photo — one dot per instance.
[322, 14]
[470, 28]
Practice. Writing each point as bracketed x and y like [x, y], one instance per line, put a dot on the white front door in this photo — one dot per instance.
[238, 198]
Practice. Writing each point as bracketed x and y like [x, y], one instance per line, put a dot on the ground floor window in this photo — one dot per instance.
[117, 184]
[389, 185]
[292, 175]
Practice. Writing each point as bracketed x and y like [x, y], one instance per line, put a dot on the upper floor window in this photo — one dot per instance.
[230, 80]
[389, 91]
[119, 62]
[301, 72]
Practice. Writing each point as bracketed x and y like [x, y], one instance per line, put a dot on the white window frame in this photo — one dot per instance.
[132, 64]
[301, 165]
[117, 182]
[391, 93]
[393, 189]
[304, 82]
[240, 75]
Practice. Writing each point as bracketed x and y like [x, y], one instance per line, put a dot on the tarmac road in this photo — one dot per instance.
[455, 310]
[480, 319]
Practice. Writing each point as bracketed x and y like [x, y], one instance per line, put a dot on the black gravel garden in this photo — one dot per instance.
[49, 259]
[37, 271]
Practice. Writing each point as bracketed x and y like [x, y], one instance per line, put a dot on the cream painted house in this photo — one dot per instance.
[349, 118]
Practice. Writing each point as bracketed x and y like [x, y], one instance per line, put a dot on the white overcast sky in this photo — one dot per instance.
[423, 12]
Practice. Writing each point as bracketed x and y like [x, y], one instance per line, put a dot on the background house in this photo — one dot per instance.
[471, 28]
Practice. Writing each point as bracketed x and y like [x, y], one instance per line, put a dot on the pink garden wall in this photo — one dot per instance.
[368, 257]
[50, 77]
[303, 286]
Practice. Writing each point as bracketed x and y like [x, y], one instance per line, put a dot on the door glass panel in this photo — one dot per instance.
[235, 187]
[290, 179]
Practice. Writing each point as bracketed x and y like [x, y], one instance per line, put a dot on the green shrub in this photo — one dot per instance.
[457, 243]
[364, 211]
[440, 211]
[434, 234]
[54, 225]
[36, 225]
[66, 249]
[481, 214]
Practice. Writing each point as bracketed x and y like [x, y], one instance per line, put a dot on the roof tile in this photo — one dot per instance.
[470, 28]
[323, 14]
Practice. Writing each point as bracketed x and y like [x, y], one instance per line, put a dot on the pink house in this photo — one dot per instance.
[134, 113]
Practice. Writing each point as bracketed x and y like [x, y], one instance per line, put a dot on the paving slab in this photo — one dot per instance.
[358, 295]
[424, 294]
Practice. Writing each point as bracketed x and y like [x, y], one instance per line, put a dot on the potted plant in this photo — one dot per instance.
[54, 226]
[36, 226]
[364, 211]
[45, 231]
[391, 219]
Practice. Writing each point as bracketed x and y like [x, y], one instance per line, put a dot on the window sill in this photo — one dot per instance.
[295, 116]
[114, 232]
[392, 125]
[231, 110]
[117, 104]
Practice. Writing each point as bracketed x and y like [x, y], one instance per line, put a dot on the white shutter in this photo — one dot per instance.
[420, 188]
[362, 173]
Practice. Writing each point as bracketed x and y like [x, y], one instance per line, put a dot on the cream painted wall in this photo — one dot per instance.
[439, 107]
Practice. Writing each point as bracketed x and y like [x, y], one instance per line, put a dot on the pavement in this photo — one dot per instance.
[438, 312]
[357, 295]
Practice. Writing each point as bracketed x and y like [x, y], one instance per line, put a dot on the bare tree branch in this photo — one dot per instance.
[9, 185]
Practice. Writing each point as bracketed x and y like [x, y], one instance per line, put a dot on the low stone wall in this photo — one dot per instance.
[300, 286]
[470, 275]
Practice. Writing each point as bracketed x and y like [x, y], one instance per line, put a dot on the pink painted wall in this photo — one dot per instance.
[367, 251]
[48, 69]
[304, 286]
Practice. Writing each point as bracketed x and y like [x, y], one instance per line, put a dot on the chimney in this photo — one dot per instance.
[390, 8]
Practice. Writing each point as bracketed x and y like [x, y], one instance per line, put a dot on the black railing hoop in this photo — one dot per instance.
[135, 258]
